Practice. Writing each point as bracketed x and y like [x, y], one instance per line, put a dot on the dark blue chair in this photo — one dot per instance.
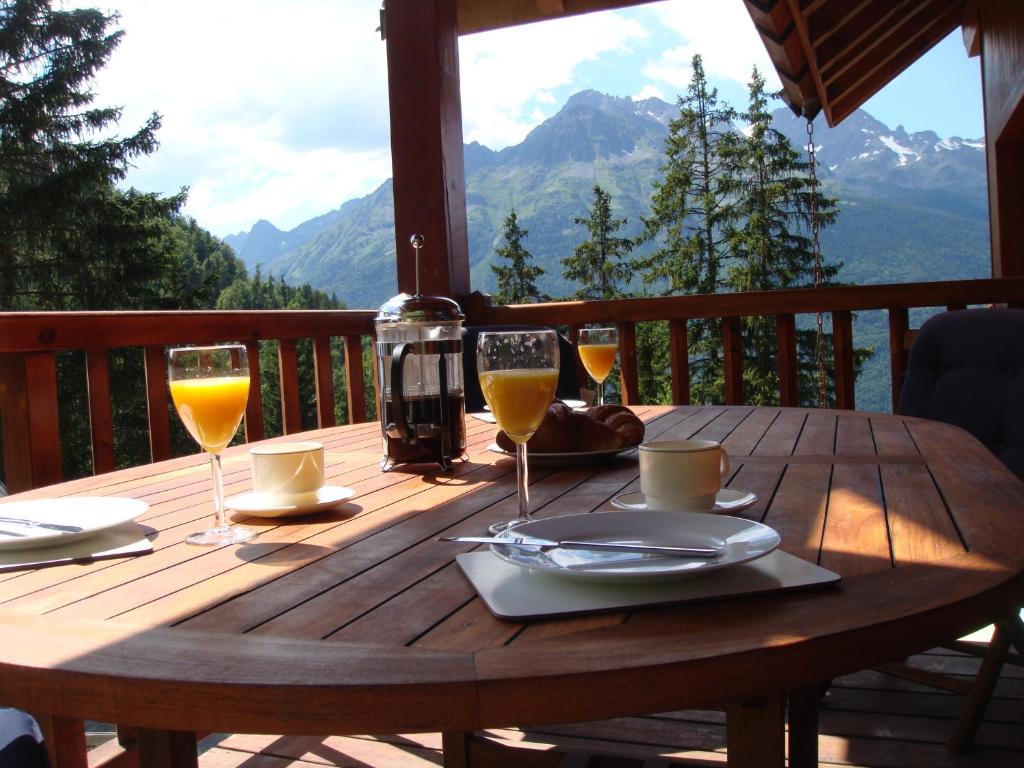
[21, 741]
[568, 385]
[967, 368]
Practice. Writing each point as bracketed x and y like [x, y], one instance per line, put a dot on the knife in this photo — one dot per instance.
[36, 524]
[593, 546]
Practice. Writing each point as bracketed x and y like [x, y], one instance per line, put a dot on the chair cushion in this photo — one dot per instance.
[21, 743]
[568, 385]
[967, 368]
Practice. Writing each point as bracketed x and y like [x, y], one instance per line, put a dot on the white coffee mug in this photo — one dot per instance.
[288, 472]
[682, 474]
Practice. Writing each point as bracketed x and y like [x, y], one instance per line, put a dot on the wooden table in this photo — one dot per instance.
[362, 622]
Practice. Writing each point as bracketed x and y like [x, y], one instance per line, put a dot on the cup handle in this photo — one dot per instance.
[724, 463]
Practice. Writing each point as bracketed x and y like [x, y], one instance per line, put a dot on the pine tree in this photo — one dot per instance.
[599, 263]
[769, 237]
[690, 207]
[68, 238]
[517, 277]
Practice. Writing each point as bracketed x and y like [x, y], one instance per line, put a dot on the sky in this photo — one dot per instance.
[278, 110]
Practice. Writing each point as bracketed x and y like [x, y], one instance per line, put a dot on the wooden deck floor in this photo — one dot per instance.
[867, 719]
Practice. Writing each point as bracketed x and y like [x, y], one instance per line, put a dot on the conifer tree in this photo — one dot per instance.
[770, 241]
[690, 207]
[68, 238]
[599, 263]
[517, 277]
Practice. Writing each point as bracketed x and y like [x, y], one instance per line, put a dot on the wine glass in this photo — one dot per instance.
[210, 387]
[518, 374]
[597, 348]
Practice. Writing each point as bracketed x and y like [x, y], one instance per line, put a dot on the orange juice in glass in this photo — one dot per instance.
[519, 398]
[597, 349]
[210, 387]
[518, 373]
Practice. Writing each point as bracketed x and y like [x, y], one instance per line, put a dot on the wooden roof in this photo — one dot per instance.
[831, 55]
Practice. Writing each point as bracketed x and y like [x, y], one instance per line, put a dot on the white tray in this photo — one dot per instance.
[511, 592]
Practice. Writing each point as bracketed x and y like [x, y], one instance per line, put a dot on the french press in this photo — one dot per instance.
[419, 366]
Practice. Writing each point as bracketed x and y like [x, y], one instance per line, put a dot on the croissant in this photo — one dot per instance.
[564, 430]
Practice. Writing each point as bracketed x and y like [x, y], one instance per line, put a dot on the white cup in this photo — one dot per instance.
[289, 473]
[682, 474]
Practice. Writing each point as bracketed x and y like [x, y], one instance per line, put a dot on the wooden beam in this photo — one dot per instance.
[475, 16]
[426, 145]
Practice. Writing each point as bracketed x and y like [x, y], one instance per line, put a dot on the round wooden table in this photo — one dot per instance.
[359, 620]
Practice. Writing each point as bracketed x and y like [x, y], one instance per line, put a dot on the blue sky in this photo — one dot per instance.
[278, 110]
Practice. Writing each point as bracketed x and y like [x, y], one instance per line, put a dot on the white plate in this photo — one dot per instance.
[727, 500]
[87, 514]
[741, 541]
[562, 459]
[575, 404]
[484, 416]
[259, 505]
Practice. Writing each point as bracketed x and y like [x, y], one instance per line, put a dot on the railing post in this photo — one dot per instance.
[842, 342]
[31, 424]
[354, 374]
[101, 423]
[789, 376]
[732, 354]
[291, 420]
[254, 406]
[323, 376]
[899, 324]
[679, 360]
[627, 364]
[156, 404]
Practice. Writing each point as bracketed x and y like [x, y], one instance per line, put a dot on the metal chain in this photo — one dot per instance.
[816, 250]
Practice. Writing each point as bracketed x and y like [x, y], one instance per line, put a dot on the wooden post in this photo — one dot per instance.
[323, 375]
[627, 364]
[354, 374]
[101, 423]
[789, 376]
[679, 360]
[899, 324]
[156, 403]
[842, 341]
[756, 733]
[31, 423]
[288, 373]
[732, 353]
[426, 144]
[254, 406]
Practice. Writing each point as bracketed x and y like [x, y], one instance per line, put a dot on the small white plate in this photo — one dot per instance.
[86, 515]
[537, 459]
[259, 505]
[740, 540]
[484, 416]
[727, 500]
[575, 404]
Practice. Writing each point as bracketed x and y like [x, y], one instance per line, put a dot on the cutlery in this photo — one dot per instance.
[37, 524]
[594, 546]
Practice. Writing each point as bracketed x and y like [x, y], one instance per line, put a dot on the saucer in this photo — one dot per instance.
[263, 505]
[727, 500]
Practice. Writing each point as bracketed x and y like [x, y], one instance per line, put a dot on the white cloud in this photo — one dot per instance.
[724, 36]
[503, 71]
[649, 92]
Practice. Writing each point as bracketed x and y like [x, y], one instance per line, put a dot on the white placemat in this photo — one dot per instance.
[511, 592]
[121, 541]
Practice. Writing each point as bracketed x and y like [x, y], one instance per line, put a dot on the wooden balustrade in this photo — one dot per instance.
[30, 342]
[838, 303]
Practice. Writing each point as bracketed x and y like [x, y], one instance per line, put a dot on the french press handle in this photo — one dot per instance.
[398, 410]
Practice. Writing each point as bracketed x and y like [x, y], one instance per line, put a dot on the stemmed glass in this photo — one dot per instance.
[518, 374]
[597, 348]
[210, 387]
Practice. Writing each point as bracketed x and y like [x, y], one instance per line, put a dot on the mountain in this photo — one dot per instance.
[913, 206]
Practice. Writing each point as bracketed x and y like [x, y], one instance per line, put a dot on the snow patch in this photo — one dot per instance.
[899, 149]
[945, 144]
[975, 144]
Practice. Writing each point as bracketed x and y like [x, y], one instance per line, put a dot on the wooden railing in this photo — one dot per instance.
[784, 306]
[30, 341]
